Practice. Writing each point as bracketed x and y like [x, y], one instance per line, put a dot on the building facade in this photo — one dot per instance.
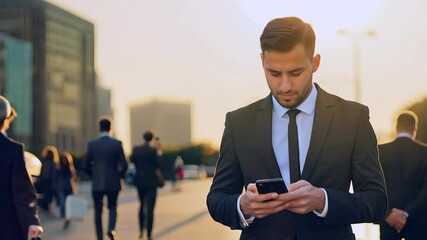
[104, 101]
[171, 121]
[63, 80]
[16, 83]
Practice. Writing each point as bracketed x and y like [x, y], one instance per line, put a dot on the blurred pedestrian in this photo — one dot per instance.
[18, 201]
[177, 173]
[404, 163]
[157, 144]
[147, 179]
[65, 180]
[50, 161]
[106, 164]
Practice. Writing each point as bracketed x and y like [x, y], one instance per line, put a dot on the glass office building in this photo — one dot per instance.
[63, 80]
[16, 84]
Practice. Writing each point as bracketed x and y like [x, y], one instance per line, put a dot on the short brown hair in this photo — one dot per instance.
[407, 121]
[283, 34]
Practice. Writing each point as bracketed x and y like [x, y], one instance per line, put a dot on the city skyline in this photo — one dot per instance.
[208, 53]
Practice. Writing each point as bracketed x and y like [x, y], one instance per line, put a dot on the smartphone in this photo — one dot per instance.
[271, 185]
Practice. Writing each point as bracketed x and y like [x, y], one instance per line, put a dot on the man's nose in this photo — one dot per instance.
[285, 84]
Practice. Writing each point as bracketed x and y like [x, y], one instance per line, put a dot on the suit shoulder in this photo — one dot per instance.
[250, 108]
[346, 104]
[116, 141]
[13, 143]
[137, 148]
[420, 143]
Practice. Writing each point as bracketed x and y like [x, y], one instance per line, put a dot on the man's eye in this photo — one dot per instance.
[296, 73]
[275, 74]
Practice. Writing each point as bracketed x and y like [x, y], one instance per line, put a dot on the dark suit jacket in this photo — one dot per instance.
[105, 162]
[343, 148]
[146, 162]
[18, 202]
[404, 162]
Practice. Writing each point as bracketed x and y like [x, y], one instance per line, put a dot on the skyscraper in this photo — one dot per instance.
[63, 80]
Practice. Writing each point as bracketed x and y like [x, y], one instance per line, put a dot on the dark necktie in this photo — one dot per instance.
[293, 146]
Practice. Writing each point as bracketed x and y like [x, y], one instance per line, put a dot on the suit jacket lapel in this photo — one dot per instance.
[323, 116]
[264, 128]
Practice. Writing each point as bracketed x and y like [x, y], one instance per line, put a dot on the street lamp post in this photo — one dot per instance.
[355, 39]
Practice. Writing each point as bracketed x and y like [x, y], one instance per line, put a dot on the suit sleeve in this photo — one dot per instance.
[368, 203]
[418, 206]
[24, 194]
[227, 183]
[123, 164]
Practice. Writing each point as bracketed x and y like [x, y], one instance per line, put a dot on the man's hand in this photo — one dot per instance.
[396, 219]
[301, 198]
[34, 231]
[257, 205]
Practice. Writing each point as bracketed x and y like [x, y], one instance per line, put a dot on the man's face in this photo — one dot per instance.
[289, 74]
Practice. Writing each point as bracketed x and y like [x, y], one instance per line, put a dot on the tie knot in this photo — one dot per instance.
[292, 113]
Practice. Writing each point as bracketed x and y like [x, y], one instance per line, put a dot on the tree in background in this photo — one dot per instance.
[420, 108]
[200, 154]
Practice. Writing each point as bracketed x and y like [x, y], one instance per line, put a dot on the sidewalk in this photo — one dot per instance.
[178, 215]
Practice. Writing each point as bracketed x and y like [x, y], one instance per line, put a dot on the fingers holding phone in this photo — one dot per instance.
[256, 205]
[258, 200]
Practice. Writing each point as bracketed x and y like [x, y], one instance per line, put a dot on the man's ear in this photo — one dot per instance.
[262, 59]
[316, 62]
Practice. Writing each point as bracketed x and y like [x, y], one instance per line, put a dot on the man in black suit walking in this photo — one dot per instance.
[105, 162]
[404, 163]
[18, 202]
[147, 179]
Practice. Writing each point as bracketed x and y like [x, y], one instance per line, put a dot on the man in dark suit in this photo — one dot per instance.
[105, 162]
[404, 162]
[331, 144]
[18, 202]
[147, 179]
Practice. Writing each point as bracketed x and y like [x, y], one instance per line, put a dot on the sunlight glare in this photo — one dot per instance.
[326, 16]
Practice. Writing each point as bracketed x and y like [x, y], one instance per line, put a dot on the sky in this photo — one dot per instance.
[207, 52]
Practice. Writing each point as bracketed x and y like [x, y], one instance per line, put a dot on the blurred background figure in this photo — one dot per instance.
[18, 202]
[404, 163]
[147, 179]
[45, 184]
[178, 173]
[157, 144]
[106, 164]
[64, 183]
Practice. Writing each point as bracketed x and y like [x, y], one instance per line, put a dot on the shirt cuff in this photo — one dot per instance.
[244, 222]
[325, 208]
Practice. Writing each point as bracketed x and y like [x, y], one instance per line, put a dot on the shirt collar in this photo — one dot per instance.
[407, 135]
[4, 133]
[104, 134]
[307, 106]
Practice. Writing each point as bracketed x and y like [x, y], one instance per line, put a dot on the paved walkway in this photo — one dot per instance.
[178, 216]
